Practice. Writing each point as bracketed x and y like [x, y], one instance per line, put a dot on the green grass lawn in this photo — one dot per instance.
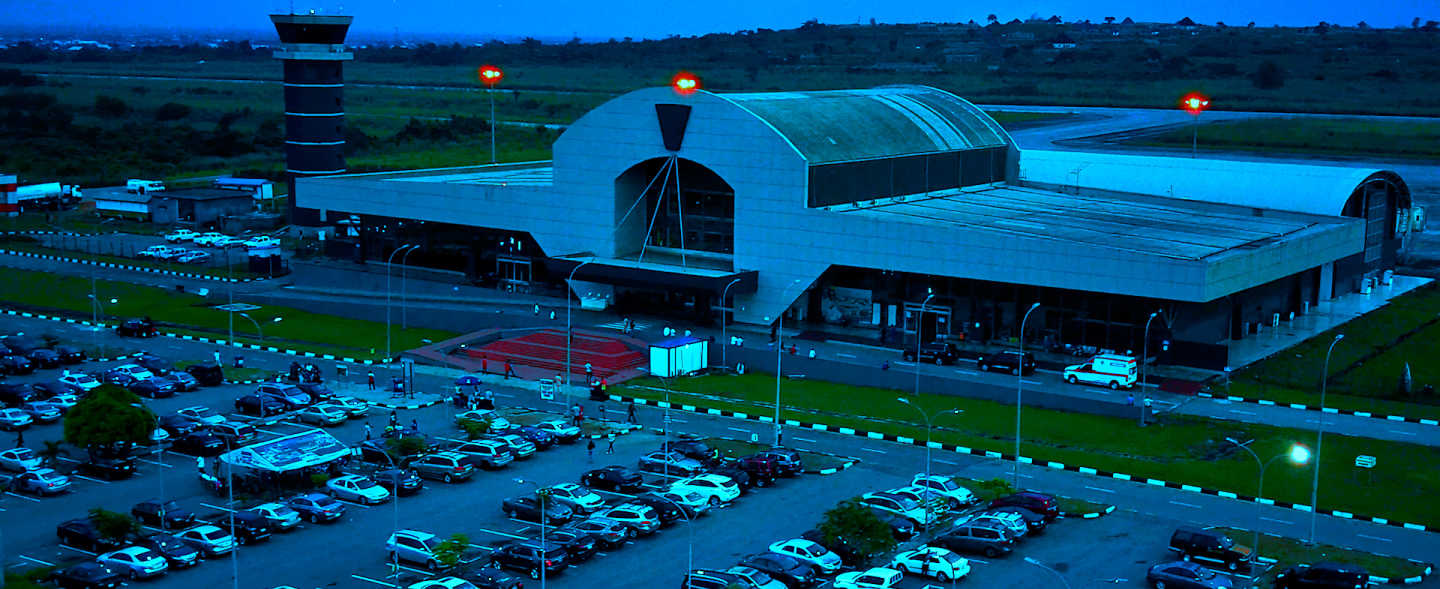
[1005, 117]
[231, 373]
[298, 330]
[1311, 136]
[1287, 552]
[1182, 449]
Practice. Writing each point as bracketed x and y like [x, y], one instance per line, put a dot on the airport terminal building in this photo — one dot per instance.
[890, 213]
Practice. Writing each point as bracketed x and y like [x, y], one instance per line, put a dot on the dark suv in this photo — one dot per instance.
[763, 469]
[208, 373]
[109, 468]
[789, 460]
[1322, 575]
[1011, 361]
[937, 352]
[987, 537]
[531, 557]
[1042, 504]
[84, 533]
[1209, 545]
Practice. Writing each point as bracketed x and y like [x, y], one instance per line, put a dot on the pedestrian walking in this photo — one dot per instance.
[812, 353]
[510, 370]
[610, 449]
[200, 463]
[537, 309]
[589, 372]
[630, 417]
[394, 418]
[579, 415]
[1145, 411]
[217, 358]
[367, 431]
[590, 448]
[415, 426]
[552, 315]
[371, 378]
[1130, 400]
[484, 365]
[20, 438]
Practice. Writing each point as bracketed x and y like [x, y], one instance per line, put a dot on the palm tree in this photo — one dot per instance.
[52, 453]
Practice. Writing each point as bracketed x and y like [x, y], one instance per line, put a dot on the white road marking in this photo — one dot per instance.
[736, 429]
[1031, 381]
[1396, 431]
[1242, 412]
[1099, 489]
[77, 550]
[874, 450]
[967, 372]
[81, 476]
[503, 534]
[381, 583]
[1186, 504]
[676, 420]
[844, 355]
[903, 364]
[348, 502]
[41, 562]
[799, 439]
[218, 507]
[947, 462]
[1375, 538]
[1278, 521]
[22, 497]
[156, 463]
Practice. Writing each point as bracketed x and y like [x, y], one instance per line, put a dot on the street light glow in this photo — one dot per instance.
[1299, 454]
[685, 83]
[1195, 103]
[491, 75]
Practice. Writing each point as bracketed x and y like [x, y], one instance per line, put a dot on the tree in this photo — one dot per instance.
[1251, 25]
[406, 447]
[993, 19]
[1109, 20]
[1322, 28]
[1415, 24]
[475, 428]
[108, 418]
[110, 107]
[854, 523]
[1268, 76]
[172, 111]
[117, 527]
[449, 552]
[52, 452]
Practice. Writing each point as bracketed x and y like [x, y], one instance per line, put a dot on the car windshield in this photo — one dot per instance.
[206, 412]
[946, 484]
[85, 379]
[364, 484]
[169, 506]
[951, 557]
[214, 535]
[282, 510]
[24, 454]
[326, 502]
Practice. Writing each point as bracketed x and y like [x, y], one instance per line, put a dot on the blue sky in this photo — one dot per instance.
[653, 19]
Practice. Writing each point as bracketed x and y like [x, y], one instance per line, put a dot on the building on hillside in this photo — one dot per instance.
[1062, 41]
[119, 202]
[892, 214]
[199, 207]
[1186, 24]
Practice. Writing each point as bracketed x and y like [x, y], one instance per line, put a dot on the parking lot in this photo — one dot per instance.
[132, 246]
[350, 552]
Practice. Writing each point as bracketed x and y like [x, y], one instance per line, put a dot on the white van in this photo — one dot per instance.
[1112, 370]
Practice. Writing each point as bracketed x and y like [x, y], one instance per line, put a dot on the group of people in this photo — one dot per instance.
[306, 373]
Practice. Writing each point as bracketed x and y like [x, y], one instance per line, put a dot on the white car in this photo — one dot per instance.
[559, 429]
[358, 489]
[497, 423]
[932, 561]
[208, 238]
[444, 583]
[809, 553]
[13, 419]
[171, 253]
[902, 506]
[209, 540]
[64, 401]
[203, 415]
[20, 460]
[135, 562]
[278, 514]
[692, 500]
[945, 486]
[922, 496]
[153, 251]
[350, 405]
[876, 578]
[181, 235]
[194, 257]
[716, 489]
[262, 241]
[226, 242]
[135, 371]
[579, 499]
[79, 382]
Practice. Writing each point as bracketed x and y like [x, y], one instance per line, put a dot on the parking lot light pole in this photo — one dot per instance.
[395, 497]
[666, 384]
[725, 341]
[1019, 388]
[779, 354]
[690, 531]
[543, 504]
[404, 300]
[1067, 583]
[258, 331]
[1320, 437]
[1145, 350]
[1297, 454]
[920, 319]
[570, 335]
[929, 427]
[387, 296]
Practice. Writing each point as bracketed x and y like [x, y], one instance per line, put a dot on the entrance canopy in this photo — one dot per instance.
[289, 453]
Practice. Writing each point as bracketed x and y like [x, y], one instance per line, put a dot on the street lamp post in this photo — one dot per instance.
[258, 332]
[779, 354]
[690, 531]
[543, 504]
[1145, 350]
[404, 300]
[1320, 437]
[919, 320]
[1019, 388]
[1067, 583]
[724, 340]
[387, 296]
[666, 383]
[1297, 454]
[570, 335]
[929, 428]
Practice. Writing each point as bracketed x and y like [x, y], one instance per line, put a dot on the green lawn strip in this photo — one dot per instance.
[233, 374]
[1287, 552]
[298, 330]
[812, 460]
[1370, 138]
[1282, 395]
[239, 271]
[74, 221]
[1180, 449]
[1077, 507]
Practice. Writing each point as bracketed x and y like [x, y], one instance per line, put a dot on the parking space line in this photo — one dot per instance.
[1186, 504]
[219, 508]
[270, 432]
[947, 462]
[156, 463]
[1242, 412]
[22, 497]
[353, 503]
[676, 420]
[382, 583]
[874, 450]
[1375, 538]
[1278, 521]
[503, 534]
[1099, 489]
[78, 550]
[805, 440]
[977, 560]
[615, 493]
[522, 529]
[40, 562]
[1396, 431]
[844, 355]
[1031, 381]
[736, 429]
[81, 476]
[967, 372]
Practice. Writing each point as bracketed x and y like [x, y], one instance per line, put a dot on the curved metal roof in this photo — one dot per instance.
[1318, 190]
[848, 125]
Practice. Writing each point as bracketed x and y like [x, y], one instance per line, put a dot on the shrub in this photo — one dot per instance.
[1268, 76]
[110, 107]
[172, 111]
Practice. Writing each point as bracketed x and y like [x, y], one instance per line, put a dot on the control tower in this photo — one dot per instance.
[313, 49]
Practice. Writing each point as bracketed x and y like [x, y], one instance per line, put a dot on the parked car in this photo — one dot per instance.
[810, 553]
[528, 508]
[754, 578]
[708, 579]
[924, 496]
[259, 406]
[156, 252]
[234, 434]
[716, 489]
[931, 561]
[792, 573]
[202, 414]
[401, 481]
[1014, 523]
[20, 460]
[319, 393]
[446, 466]
[85, 534]
[136, 328]
[70, 355]
[608, 532]
[902, 506]
[180, 235]
[154, 387]
[1322, 575]
[937, 352]
[16, 365]
[199, 443]
[694, 449]
[615, 478]
[358, 489]
[900, 527]
[209, 540]
[637, 518]
[945, 486]
[564, 432]
[64, 401]
[41, 481]
[110, 468]
[43, 358]
[207, 238]
[1034, 522]
[227, 242]
[669, 512]
[14, 419]
[178, 425]
[531, 557]
[208, 373]
[245, 526]
[790, 462]
[492, 579]
[168, 515]
[496, 422]
[262, 241]
[134, 562]
[134, 371]
[1013, 362]
[322, 415]
[486, 454]
[351, 406]
[176, 552]
[183, 381]
[732, 470]
[79, 383]
[762, 469]
[86, 575]
[48, 389]
[1042, 504]
[1209, 545]
[1110, 370]
[41, 411]
[578, 545]
[16, 394]
[671, 463]
[579, 499]
[288, 395]
[156, 365]
[875, 578]
[987, 537]
[279, 515]
[539, 437]
[517, 446]
[414, 546]
[1186, 575]
[849, 554]
[317, 508]
[194, 257]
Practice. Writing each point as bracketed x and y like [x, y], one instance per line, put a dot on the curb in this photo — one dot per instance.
[203, 340]
[1268, 403]
[1374, 579]
[128, 267]
[1026, 460]
[1108, 510]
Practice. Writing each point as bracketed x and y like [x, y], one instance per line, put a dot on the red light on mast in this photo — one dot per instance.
[1195, 103]
[491, 75]
[685, 83]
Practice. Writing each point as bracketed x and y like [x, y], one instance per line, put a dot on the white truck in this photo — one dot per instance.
[1112, 370]
[144, 186]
